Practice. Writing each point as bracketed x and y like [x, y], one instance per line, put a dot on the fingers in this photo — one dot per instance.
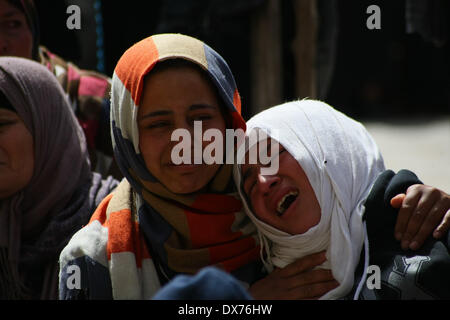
[303, 264]
[421, 216]
[443, 227]
[408, 205]
[311, 277]
[396, 202]
[431, 220]
[421, 210]
[296, 281]
[304, 283]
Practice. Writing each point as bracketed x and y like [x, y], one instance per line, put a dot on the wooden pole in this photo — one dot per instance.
[266, 53]
[304, 47]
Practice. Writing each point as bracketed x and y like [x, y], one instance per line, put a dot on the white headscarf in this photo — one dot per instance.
[341, 161]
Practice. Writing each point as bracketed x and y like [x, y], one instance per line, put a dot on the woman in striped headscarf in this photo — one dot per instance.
[164, 219]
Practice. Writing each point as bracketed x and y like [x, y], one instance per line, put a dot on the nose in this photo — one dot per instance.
[189, 140]
[267, 182]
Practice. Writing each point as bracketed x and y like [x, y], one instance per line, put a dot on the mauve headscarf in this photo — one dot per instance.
[37, 222]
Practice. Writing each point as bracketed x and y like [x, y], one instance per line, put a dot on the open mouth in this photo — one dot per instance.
[286, 202]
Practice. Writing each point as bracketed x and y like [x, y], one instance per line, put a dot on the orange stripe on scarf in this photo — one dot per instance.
[217, 203]
[124, 235]
[238, 121]
[210, 229]
[234, 255]
[136, 62]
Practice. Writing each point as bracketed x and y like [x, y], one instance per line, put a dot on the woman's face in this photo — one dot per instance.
[15, 35]
[16, 154]
[284, 200]
[173, 99]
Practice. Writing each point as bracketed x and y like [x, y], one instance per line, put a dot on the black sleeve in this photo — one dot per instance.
[380, 215]
[84, 279]
[399, 184]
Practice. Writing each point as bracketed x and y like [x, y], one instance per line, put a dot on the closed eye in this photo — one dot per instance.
[158, 124]
[6, 123]
[280, 152]
[14, 24]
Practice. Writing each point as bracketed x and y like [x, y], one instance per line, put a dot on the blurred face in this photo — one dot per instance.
[16, 154]
[173, 99]
[285, 200]
[15, 36]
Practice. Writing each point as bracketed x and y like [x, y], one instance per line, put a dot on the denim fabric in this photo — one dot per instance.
[208, 284]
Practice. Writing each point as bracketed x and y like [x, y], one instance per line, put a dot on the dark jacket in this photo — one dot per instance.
[407, 275]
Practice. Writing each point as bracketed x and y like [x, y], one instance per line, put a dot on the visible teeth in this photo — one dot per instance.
[281, 208]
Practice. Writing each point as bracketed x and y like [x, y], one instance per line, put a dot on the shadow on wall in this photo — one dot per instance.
[387, 72]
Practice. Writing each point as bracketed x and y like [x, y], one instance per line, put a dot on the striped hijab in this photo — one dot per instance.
[147, 228]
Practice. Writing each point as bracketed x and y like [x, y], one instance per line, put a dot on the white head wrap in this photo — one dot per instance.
[341, 161]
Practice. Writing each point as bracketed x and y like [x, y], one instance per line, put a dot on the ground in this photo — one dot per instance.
[422, 146]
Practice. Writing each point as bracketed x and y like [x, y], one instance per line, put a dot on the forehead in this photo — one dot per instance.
[174, 87]
[260, 144]
[7, 9]
[257, 153]
[181, 71]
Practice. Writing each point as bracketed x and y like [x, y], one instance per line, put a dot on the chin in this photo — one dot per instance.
[179, 188]
[188, 183]
[5, 194]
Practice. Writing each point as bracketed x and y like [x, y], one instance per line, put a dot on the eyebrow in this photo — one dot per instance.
[156, 114]
[169, 112]
[11, 13]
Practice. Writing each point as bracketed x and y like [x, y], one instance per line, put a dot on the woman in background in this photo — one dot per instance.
[47, 189]
[88, 91]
